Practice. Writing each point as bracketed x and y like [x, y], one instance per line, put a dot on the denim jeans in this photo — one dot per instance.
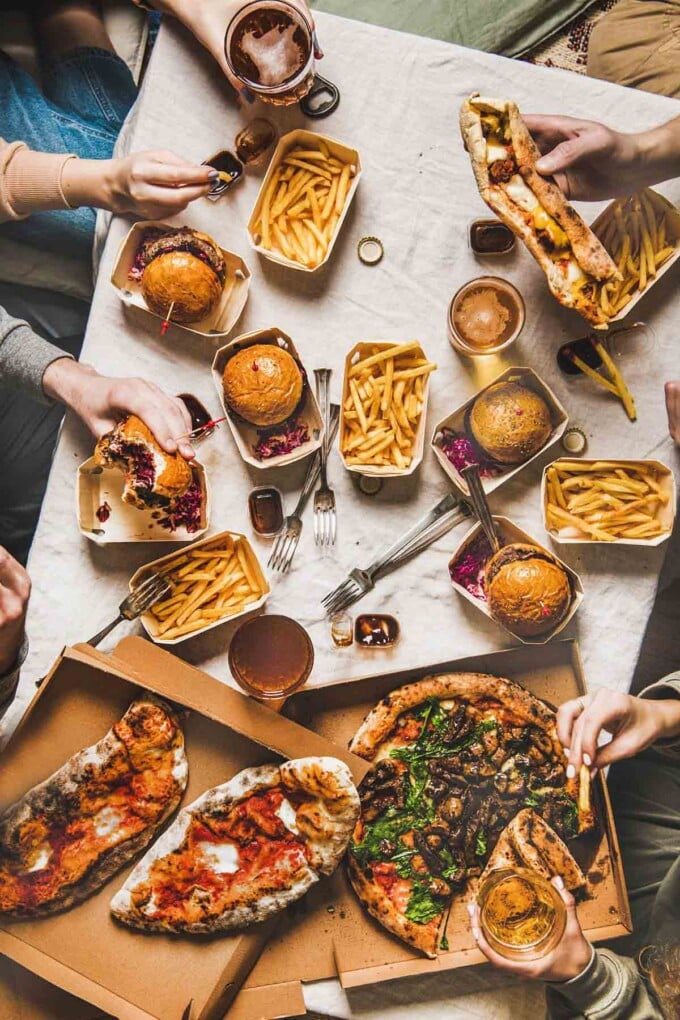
[85, 97]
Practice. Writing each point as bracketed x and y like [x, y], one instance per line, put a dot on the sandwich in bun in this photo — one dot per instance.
[182, 270]
[527, 589]
[263, 385]
[510, 422]
[152, 476]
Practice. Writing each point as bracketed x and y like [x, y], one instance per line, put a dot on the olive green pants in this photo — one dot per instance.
[638, 44]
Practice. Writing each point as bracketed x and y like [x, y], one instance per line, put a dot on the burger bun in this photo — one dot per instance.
[510, 422]
[263, 385]
[527, 589]
[183, 281]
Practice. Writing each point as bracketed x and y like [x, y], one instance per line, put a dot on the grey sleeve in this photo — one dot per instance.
[666, 689]
[9, 681]
[24, 356]
[610, 988]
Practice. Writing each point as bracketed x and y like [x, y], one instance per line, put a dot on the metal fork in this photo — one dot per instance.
[289, 536]
[151, 591]
[449, 511]
[325, 518]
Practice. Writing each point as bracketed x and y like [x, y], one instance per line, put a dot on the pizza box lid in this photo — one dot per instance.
[301, 136]
[83, 951]
[665, 514]
[223, 317]
[97, 486]
[331, 935]
[509, 532]
[246, 435]
[456, 421]
[358, 352]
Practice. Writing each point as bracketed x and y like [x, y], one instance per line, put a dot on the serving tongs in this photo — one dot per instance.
[448, 512]
[480, 505]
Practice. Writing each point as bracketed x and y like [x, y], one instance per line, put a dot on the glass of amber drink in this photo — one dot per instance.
[521, 914]
[269, 46]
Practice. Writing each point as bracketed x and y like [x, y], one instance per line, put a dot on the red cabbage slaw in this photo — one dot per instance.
[285, 439]
[470, 568]
[463, 451]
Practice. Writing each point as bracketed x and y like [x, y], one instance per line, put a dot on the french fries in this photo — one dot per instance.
[382, 406]
[613, 382]
[210, 582]
[303, 203]
[604, 501]
[640, 233]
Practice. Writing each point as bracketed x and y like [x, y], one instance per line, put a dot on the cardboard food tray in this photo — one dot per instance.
[245, 435]
[289, 141]
[509, 532]
[661, 271]
[358, 352]
[228, 309]
[666, 514]
[456, 422]
[128, 974]
[330, 934]
[98, 485]
[150, 622]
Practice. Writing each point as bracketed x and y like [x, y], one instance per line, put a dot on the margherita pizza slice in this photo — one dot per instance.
[455, 758]
[503, 156]
[244, 850]
[69, 834]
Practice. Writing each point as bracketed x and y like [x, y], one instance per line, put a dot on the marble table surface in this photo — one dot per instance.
[400, 97]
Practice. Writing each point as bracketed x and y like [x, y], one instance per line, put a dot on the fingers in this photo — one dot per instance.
[166, 416]
[13, 578]
[567, 714]
[672, 392]
[167, 201]
[491, 955]
[604, 710]
[565, 895]
[177, 174]
[564, 155]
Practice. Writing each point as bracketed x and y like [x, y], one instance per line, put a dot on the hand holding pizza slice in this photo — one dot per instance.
[504, 157]
[244, 850]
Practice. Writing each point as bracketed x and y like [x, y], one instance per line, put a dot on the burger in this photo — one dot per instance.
[182, 270]
[510, 422]
[153, 478]
[263, 385]
[527, 589]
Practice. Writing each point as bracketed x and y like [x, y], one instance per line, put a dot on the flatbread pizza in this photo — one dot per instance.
[244, 850]
[504, 156]
[455, 758]
[66, 837]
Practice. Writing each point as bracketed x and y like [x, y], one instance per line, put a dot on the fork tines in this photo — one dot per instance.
[342, 596]
[283, 551]
[148, 592]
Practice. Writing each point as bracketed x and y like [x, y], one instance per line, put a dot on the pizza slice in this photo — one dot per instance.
[503, 156]
[69, 834]
[244, 850]
[455, 758]
[529, 842]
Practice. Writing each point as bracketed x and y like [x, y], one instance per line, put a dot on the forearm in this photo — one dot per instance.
[90, 182]
[30, 181]
[610, 988]
[64, 381]
[658, 153]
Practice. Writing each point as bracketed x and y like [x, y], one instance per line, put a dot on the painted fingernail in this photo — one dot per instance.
[476, 934]
[571, 771]
[559, 881]
[471, 909]
[567, 752]
[213, 175]
[247, 95]
[587, 760]
[593, 771]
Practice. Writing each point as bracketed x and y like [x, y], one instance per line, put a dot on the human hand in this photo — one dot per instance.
[588, 160]
[15, 588]
[101, 402]
[634, 723]
[672, 390]
[569, 958]
[149, 184]
[208, 22]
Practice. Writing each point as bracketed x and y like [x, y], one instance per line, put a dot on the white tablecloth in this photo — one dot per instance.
[400, 99]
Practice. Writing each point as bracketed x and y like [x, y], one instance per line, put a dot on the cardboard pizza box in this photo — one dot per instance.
[128, 974]
[330, 935]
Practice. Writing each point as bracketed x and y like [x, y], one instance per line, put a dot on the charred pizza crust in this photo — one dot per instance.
[584, 259]
[455, 757]
[180, 885]
[529, 842]
[103, 806]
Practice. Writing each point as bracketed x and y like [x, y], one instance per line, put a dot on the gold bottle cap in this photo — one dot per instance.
[370, 250]
[370, 485]
[574, 441]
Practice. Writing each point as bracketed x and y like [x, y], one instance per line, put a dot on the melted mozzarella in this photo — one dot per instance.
[222, 858]
[494, 151]
[574, 272]
[288, 816]
[151, 905]
[521, 194]
[41, 861]
[107, 821]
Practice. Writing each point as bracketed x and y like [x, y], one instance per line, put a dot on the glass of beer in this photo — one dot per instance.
[521, 914]
[269, 46]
